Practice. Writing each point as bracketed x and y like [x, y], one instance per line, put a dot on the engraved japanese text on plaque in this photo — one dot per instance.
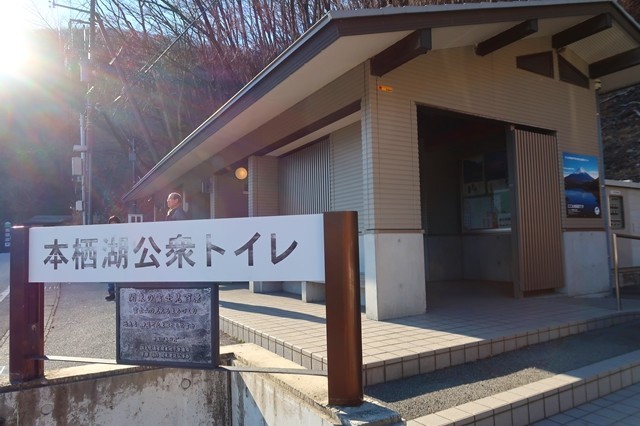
[165, 326]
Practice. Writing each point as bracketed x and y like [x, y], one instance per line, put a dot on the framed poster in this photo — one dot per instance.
[581, 185]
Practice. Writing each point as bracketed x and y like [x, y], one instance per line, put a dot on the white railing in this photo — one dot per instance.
[616, 267]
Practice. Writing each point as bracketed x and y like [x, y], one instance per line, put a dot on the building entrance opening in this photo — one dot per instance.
[466, 203]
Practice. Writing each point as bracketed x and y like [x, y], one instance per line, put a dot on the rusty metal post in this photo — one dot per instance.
[215, 323]
[26, 313]
[616, 277]
[344, 328]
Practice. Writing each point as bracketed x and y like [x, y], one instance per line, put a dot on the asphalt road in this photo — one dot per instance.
[4, 309]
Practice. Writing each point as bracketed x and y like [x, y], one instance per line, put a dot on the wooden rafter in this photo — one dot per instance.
[413, 45]
[582, 30]
[507, 37]
[615, 63]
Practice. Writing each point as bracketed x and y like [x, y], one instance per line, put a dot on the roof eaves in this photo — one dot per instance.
[321, 35]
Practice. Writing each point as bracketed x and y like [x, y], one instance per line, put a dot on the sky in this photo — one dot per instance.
[16, 19]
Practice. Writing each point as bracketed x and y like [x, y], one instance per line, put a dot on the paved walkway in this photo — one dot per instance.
[463, 324]
[619, 408]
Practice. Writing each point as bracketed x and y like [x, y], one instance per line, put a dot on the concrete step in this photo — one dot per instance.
[545, 398]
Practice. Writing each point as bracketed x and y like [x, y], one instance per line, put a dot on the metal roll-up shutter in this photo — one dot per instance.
[305, 180]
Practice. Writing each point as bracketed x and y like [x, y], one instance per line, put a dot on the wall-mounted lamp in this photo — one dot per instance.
[241, 173]
[597, 84]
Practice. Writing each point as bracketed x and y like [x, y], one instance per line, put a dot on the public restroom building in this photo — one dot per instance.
[465, 136]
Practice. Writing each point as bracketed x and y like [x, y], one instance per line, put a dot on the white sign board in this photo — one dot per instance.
[272, 248]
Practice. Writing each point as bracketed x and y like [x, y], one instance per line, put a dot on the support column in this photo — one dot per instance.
[393, 240]
[213, 181]
[394, 275]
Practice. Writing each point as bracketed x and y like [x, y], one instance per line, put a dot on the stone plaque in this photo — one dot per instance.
[165, 326]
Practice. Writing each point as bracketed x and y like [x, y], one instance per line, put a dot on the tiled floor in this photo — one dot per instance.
[462, 325]
[457, 328]
[618, 408]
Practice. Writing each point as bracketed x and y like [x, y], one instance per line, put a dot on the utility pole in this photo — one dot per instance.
[86, 118]
[132, 159]
[90, 106]
[85, 123]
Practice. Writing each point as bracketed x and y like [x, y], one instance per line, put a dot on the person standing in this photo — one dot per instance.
[174, 202]
[111, 287]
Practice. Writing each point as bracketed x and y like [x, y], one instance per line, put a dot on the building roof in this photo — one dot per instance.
[600, 33]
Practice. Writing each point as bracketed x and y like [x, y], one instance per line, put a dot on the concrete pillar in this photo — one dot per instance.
[265, 286]
[212, 196]
[393, 238]
[313, 292]
[394, 275]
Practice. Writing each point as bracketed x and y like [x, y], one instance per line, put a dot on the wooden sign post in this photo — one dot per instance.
[344, 329]
[26, 314]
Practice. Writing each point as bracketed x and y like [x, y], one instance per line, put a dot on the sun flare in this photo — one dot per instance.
[14, 45]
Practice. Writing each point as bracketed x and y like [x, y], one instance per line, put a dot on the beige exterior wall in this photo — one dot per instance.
[390, 161]
[392, 242]
[490, 86]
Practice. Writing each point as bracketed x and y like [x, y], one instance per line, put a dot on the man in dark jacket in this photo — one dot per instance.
[174, 202]
[111, 287]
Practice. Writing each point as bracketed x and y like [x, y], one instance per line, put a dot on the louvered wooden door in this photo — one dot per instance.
[537, 210]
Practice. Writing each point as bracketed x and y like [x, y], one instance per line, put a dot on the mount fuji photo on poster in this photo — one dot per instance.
[581, 185]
